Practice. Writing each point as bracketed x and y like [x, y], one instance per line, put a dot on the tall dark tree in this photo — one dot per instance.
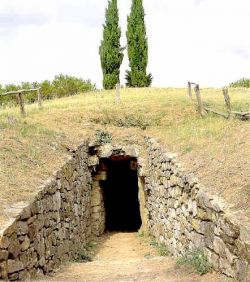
[110, 51]
[137, 44]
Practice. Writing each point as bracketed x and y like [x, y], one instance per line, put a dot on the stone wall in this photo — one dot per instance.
[54, 227]
[69, 210]
[183, 216]
[65, 215]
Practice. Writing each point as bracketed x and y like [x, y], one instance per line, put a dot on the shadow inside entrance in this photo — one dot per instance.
[120, 193]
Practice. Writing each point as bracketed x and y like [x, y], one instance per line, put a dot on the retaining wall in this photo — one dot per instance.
[54, 227]
[183, 216]
[69, 210]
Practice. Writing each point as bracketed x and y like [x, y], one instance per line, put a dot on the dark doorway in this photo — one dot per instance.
[120, 193]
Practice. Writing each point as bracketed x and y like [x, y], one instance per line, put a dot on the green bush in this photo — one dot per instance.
[60, 86]
[83, 257]
[244, 82]
[196, 259]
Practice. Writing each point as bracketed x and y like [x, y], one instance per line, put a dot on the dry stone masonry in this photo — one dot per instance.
[183, 216]
[54, 227]
[69, 211]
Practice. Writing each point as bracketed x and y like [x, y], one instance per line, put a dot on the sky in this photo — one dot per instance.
[206, 41]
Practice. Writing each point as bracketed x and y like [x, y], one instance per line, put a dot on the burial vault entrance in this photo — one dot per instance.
[116, 195]
[120, 195]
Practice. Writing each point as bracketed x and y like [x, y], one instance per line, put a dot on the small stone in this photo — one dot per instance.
[25, 244]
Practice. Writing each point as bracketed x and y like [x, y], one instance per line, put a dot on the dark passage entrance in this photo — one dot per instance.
[120, 193]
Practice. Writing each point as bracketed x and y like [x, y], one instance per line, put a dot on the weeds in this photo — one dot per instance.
[103, 136]
[83, 257]
[196, 259]
[87, 253]
[140, 233]
[161, 248]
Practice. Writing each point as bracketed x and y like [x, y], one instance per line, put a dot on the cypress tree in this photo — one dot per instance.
[110, 51]
[137, 44]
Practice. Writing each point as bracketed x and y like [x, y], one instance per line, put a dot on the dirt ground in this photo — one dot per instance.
[126, 257]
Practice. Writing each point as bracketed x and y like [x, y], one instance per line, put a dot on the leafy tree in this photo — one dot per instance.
[110, 51]
[137, 43]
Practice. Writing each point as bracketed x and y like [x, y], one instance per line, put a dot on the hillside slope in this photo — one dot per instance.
[31, 148]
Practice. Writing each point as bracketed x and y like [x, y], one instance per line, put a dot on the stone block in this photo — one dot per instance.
[26, 213]
[36, 207]
[225, 267]
[25, 244]
[3, 271]
[213, 258]
[4, 242]
[3, 255]
[56, 198]
[242, 270]
[14, 266]
[197, 239]
[24, 275]
[230, 228]
[14, 247]
[205, 214]
[22, 227]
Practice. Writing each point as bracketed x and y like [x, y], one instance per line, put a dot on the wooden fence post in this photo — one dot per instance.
[117, 93]
[189, 90]
[21, 104]
[199, 101]
[228, 102]
[39, 98]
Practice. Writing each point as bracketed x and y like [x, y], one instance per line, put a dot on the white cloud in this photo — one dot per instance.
[206, 41]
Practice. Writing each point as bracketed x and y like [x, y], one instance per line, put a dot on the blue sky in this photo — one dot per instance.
[200, 40]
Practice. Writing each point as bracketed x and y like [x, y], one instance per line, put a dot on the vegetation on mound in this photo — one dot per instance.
[31, 148]
[60, 86]
[244, 82]
[103, 136]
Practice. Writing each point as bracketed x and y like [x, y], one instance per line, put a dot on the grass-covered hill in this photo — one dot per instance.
[215, 149]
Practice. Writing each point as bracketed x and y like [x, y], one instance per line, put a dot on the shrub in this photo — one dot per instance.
[103, 136]
[83, 257]
[60, 86]
[196, 259]
[244, 82]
